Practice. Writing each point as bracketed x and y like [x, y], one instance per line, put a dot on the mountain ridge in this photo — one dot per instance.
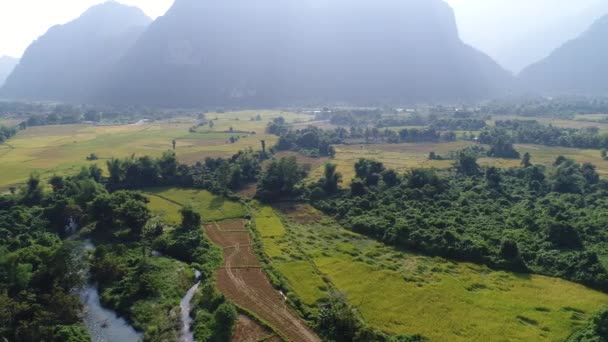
[573, 67]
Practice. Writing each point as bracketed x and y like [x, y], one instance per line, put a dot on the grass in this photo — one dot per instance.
[270, 229]
[405, 293]
[167, 210]
[268, 224]
[306, 283]
[211, 207]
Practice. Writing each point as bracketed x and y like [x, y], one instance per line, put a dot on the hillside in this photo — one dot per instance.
[574, 67]
[291, 52]
[67, 62]
[7, 64]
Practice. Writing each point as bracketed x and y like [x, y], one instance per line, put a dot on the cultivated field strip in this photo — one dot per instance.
[244, 282]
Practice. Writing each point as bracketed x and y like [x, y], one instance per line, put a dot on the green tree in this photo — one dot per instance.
[467, 165]
[332, 179]
[33, 194]
[191, 219]
[280, 178]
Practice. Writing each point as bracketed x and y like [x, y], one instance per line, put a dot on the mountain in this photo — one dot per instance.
[542, 26]
[537, 44]
[7, 64]
[69, 61]
[279, 52]
[576, 67]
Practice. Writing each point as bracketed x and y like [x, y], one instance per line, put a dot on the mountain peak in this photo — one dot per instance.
[68, 61]
[295, 51]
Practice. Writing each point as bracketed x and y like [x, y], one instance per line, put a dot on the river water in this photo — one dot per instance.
[185, 305]
[103, 324]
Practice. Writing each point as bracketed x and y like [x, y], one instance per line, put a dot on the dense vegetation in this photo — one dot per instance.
[42, 267]
[547, 221]
[218, 175]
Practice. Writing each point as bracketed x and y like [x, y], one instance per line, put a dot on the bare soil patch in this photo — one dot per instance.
[248, 330]
[249, 287]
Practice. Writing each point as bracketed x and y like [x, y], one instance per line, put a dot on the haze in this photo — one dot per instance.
[23, 21]
[517, 33]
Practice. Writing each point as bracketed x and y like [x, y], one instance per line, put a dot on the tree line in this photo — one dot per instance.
[527, 219]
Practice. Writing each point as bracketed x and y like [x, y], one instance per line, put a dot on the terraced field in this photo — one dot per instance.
[405, 293]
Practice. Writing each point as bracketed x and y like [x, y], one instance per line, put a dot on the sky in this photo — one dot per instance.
[22, 21]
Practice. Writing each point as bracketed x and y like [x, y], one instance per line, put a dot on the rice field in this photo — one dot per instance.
[405, 293]
[62, 149]
[406, 156]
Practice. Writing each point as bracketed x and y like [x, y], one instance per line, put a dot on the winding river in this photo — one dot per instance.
[105, 325]
[185, 305]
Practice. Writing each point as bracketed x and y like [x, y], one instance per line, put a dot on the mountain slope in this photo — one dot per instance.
[273, 52]
[68, 61]
[576, 67]
[7, 64]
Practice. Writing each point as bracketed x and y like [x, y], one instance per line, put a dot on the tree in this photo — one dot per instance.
[134, 215]
[357, 187]
[503, 148]
[332, 179]
[33, 194]
[601, 323]
[563, 235]
[225, 319]
[117, 171]
[493, 177]
[390, 178]
[191, 219]
[567, 177]
[467, 164]
[280, 178]
[95, 172]
[369, 170]
[525, 160]
[338, 321]
[211, 124]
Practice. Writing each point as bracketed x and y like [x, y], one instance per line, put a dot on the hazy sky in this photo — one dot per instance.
[22, 21]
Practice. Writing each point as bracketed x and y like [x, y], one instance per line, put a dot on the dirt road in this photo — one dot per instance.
[245, 283]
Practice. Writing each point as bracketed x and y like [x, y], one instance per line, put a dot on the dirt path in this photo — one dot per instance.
[245, 283]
